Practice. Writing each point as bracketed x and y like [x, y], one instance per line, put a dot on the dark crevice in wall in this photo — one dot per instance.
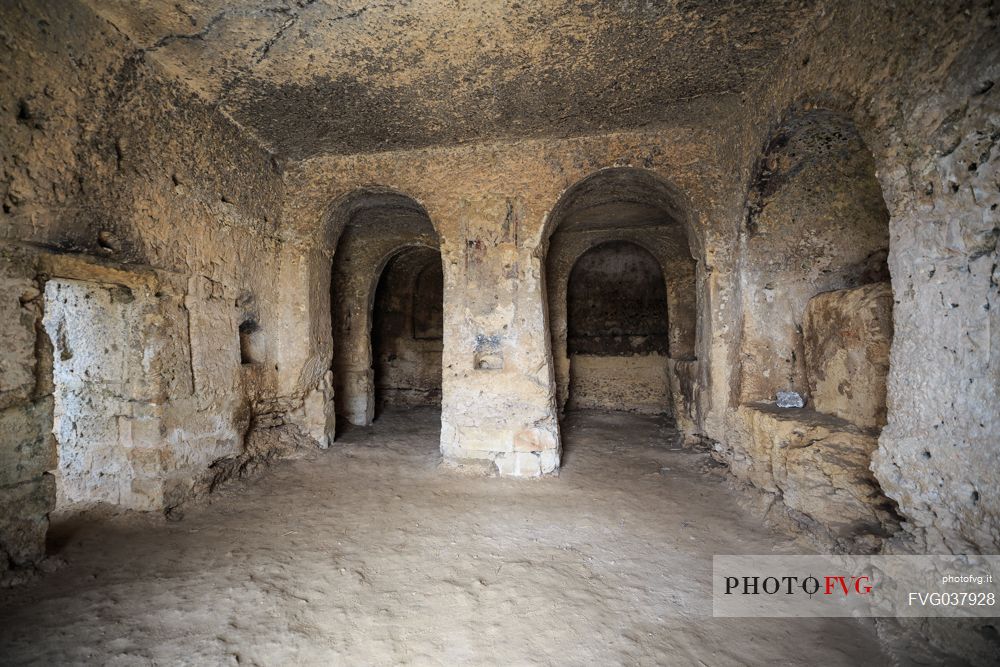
[407, 331]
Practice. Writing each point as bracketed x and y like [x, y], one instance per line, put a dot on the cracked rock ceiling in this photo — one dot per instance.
[348, 76]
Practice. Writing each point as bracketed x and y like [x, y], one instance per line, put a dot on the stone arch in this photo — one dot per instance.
[372, 226]
[817, 322]
[626, 185]
[358, 202]
[636, 206]
[815, 222]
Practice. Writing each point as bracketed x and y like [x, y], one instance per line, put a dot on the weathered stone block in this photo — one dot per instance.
[353, 400]
[146, 461]
[821, 466]
[20, 308]
[24, 519]
[27, 447]
[753, 461]
[145, 432]
[534, 440]
[475, 441]
[847, 335]
[829, 479]
[634, 383]
[683, 375]
[317, 417]
[145, 494]
[549, 461]
[519, 464]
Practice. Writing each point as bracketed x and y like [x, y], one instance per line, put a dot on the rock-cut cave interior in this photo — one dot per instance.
[466, 332]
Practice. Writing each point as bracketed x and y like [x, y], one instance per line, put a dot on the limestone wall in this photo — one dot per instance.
[100, 391]
[848, 334]
[918, 83]
[926, 108]
[27, 448]
[632, 384]
[499, 398]
[114, 175]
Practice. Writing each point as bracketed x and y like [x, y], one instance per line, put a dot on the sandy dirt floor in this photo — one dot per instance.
[369, 554]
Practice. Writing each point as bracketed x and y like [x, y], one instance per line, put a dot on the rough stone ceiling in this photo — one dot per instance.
[351, 76]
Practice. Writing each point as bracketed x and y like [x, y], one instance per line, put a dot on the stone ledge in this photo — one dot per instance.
[820, 464]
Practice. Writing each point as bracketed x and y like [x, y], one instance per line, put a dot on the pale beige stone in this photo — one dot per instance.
[847, 335]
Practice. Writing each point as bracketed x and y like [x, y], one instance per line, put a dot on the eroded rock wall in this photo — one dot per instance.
[200, 202]
[927, 109]
[847, 336]
[815, 222]
[918, 82]
[114, 174]
[27, 448]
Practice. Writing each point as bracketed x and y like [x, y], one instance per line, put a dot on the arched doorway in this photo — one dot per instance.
[385, 306]
[407, 331]
[624, 233]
